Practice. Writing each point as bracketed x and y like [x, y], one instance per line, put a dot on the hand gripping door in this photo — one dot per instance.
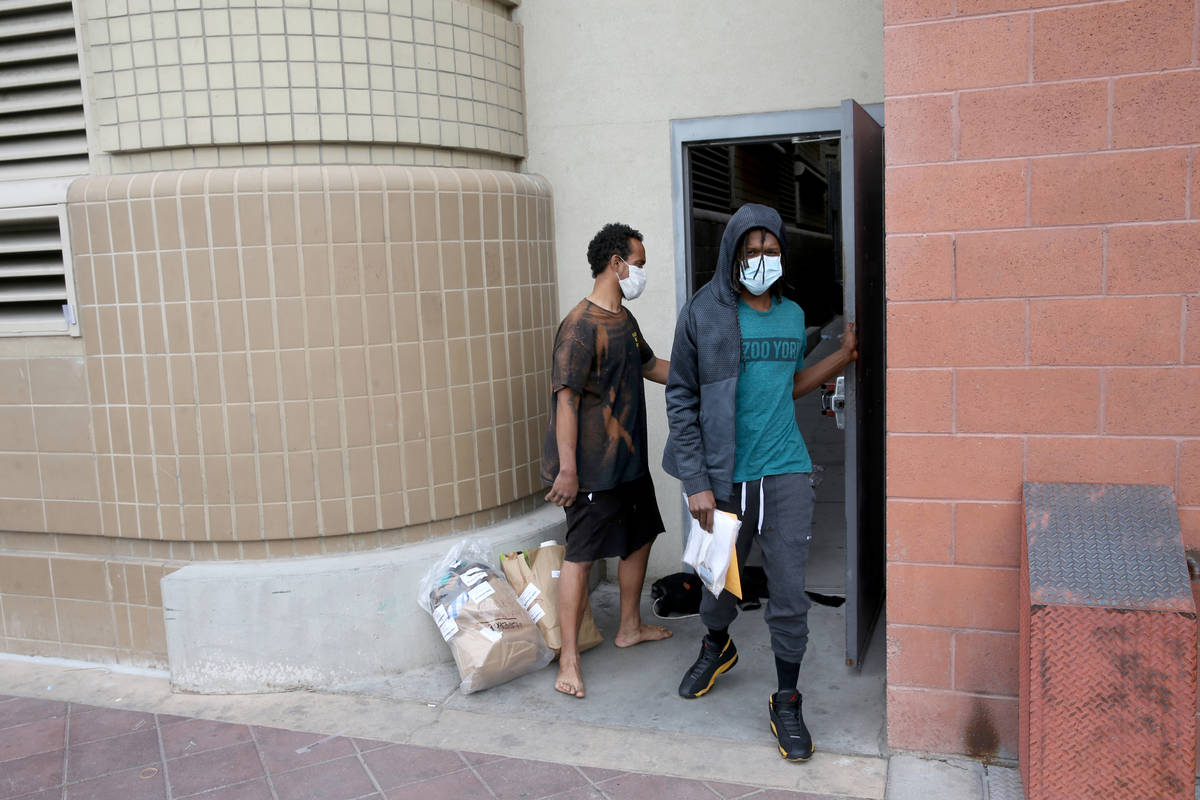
[862, 253]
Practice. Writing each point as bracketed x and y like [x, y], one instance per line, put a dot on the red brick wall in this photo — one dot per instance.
[1043, 279]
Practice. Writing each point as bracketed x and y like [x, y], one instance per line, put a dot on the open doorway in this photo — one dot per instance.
[822, 170]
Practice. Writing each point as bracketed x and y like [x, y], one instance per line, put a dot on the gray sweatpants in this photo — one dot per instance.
[786, 534]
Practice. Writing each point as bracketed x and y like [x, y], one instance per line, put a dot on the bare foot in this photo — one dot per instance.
[570, 680]
[646, 633]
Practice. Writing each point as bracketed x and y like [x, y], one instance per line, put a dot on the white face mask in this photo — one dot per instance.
[758, 274]
[633, 285]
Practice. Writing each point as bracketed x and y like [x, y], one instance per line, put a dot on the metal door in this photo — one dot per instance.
[862, 254]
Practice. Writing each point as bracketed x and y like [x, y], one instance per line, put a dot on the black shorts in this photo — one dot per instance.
[614, 522]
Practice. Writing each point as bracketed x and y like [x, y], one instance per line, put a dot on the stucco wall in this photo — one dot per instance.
[604, 79]
[1044, 312]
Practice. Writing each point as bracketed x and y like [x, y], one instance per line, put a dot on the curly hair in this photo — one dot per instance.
[613, 238]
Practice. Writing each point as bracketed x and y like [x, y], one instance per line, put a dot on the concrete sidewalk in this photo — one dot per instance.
[637, 688]
[913, 777]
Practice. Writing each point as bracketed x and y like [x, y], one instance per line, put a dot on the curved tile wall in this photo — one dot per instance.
[296, 352]
[425, 74]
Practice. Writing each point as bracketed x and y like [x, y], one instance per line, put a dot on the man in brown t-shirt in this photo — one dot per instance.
[595, 453]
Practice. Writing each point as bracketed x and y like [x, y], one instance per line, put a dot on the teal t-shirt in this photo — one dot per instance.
[768, 441]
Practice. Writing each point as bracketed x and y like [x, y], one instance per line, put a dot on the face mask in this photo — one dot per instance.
[633, 286]
[759, 273]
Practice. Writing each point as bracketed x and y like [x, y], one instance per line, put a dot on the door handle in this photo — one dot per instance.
[833, 401]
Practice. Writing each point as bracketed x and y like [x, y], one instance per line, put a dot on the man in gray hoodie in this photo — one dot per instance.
[737, 366]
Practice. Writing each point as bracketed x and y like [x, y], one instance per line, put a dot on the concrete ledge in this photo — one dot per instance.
[315, 623]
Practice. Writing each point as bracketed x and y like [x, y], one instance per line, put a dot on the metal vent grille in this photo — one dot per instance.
[42, 131]
[36, 291]
[711, 178]
[765, 174]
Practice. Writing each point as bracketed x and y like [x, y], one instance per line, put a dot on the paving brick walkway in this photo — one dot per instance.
[70, 751]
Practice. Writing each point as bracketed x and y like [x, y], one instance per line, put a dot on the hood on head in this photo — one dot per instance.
[745, 219]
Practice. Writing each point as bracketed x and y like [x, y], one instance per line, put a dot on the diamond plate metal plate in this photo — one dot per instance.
[1108, 645]
[1004, 783]
[1105, 545]
[1111, 704]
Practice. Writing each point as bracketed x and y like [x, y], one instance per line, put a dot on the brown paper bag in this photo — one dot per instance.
[489, 633]
[534, 577]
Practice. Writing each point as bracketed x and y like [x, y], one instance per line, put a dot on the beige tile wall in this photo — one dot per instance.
[289, 353]
[190, 76]
[85, 608]
[96, 598]
[275, 362]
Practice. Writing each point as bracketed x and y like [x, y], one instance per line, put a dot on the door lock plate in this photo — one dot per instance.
[833, 401]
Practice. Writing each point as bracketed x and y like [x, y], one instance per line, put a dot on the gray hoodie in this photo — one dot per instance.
[705, 362]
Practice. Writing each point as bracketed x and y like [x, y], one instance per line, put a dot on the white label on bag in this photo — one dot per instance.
[490, 635]
[447, 626]
[554, 573]
[448, 629]
[531, 593]
[481, 592]
[473, 576]
[536, 612]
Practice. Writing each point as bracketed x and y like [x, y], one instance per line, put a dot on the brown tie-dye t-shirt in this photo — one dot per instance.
[600, 354]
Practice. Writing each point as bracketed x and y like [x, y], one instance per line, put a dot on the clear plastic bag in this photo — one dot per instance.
[713, 555]
[492, 637]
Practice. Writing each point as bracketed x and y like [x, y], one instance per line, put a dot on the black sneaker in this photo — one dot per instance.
[712, 662]
[787, 723]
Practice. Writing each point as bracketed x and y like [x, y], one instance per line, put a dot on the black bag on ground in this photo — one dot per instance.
[754, 591]
[676, 595]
